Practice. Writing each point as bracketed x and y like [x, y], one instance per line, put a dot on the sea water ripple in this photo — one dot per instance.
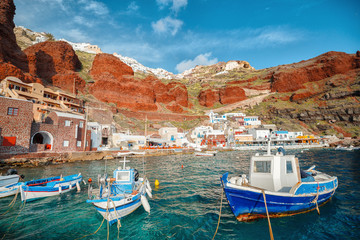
[187, 202]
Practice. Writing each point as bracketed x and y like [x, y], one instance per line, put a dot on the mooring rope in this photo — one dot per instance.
[316, 199]
[118, 219]
[268, 217]
[100, 224]
[12, 203]
[22, 206]
[222, 194]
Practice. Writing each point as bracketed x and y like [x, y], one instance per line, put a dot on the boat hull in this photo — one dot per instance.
[248, 204]
[9, 180]
[117, 209]
[29, 193]
[9, 190]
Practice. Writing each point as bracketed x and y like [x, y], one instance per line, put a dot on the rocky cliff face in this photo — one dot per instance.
[57, 63]
[10, 52]
[115, 83]
[292, 77]
[226, 95]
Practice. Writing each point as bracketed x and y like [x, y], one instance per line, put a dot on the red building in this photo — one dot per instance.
[16, 116]
[60, 132]
[214, 140]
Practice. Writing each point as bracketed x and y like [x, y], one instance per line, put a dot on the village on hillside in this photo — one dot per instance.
[37, 119]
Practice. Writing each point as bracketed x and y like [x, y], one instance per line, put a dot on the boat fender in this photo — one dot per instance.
[148, 192]
[60, 189]
[145, 203]
[22, 176]
[136, 174]
[148, 185]
[78, 186]
[157, 183]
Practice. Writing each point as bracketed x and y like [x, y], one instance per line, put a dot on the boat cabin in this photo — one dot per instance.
[277, 173]
[124, 180]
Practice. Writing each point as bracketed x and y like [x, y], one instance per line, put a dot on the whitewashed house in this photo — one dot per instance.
[198, 134]
[252, 121]
[259, 133]
[128, 142]
[293, 135]
[170, 135]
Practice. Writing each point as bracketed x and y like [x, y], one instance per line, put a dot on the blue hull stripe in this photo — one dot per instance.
[119, 207]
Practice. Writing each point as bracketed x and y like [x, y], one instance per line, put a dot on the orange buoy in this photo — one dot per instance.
[182, 166]
[89, 180]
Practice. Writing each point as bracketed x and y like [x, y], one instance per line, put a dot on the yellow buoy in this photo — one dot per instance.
[156, 183]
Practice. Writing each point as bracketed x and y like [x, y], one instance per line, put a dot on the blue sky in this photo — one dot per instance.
[179, 34]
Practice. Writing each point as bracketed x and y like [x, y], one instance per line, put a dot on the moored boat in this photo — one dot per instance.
[121, 194]
[277, 184]
[11, 178]
[48, 187]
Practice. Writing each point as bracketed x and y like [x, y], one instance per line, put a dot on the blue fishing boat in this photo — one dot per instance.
[277, 187]
[48, 187]
[121, 194]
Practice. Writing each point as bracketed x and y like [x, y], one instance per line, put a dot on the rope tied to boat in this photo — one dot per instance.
[316, 198]
[12, 203]
[268, 217]
[117, 217]
[222, 194]
[22, 206]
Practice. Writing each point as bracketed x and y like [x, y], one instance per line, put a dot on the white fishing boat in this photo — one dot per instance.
[11, 178]
[121, 194]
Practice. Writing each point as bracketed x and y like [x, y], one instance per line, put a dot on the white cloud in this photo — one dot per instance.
[176, 5]
[83, 21]
[133, 7]
[167, 25]
[202, 59]
[75, 35]
[96, 7]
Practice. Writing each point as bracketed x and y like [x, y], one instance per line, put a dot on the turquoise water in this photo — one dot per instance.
[187, 203]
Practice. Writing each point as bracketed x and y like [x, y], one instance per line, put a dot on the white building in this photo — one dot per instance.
[293, 135]
[259, 133]
[128, 142]
[252, 121]
[198, 134]
[216, 118]
[170, 135]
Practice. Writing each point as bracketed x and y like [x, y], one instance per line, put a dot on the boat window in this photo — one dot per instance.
[262, 166]
[289, 168]
[123, 176]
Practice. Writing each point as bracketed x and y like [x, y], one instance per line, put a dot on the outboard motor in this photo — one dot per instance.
[136, 174]
[11, 171]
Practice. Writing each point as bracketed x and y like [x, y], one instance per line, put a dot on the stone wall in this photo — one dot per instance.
[18, 126]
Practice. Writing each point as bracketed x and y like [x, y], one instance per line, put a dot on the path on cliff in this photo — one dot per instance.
[250, 102]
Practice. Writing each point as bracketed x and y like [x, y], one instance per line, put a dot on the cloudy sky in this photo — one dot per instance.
[178, 34]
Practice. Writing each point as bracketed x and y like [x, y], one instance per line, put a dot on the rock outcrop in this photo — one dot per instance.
[115, 83]
[226, 95]
[292, 77]
[10, 52]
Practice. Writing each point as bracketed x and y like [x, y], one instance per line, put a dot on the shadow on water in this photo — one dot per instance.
[186, 204]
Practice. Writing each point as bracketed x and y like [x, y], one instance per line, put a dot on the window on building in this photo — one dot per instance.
[289, 168]
[262, 166]
[8, 141]
[66, 143]
[67, 123]
[81, 124]
[13, 111]
[78, 143]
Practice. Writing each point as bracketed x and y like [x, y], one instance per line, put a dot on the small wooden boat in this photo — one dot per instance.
[206, 153]
[48, 187]
[11, 178]
[276, 184]
[121, 194]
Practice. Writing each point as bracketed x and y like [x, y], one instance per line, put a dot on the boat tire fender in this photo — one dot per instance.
[136, 174]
